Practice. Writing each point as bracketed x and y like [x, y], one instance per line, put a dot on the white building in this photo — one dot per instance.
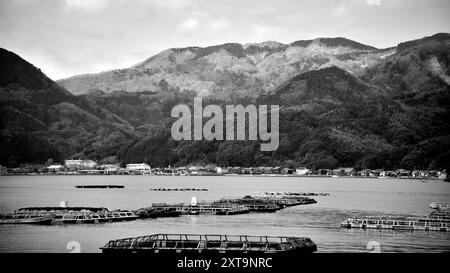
[301, 171]
[73, 163]
[141, 167]
[80, 164]
[55, 168]
[109, 167]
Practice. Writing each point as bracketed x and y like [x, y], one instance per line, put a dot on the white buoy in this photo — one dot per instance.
[194, 201]
[63, 204]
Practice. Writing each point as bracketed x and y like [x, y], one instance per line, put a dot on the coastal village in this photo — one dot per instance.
[90, 167]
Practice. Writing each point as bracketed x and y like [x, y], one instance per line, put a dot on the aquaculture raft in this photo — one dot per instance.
[398, 223]
[100, 186]
[82, 215]
[155, 212]
[440, 206]
[179, 244]
[26, 218]
[222, 209]
[179, 189]
[253, 205]
[296, 194]
[94, 218]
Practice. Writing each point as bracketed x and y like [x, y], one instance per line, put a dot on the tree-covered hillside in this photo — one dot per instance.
[393, 115]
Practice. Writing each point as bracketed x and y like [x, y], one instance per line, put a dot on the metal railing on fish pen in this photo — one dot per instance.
[397, 223]
[190, 242]
[205, 208]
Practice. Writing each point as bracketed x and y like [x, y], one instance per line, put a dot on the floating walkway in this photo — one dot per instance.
[179, 244]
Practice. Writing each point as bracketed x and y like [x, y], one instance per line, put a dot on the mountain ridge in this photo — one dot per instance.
[206, 70]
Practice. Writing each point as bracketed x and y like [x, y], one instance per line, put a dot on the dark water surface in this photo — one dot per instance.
[321, 221]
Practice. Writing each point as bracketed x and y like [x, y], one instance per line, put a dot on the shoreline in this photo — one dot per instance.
[231, 175]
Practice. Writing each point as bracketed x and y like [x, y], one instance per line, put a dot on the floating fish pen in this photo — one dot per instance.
[157, 212]
[398, 223]
[55, 209]
[206, 208]
[178, 189]
[26, 218]
[80, 215]
[266, 203]
[179, 244]
[99, 186]
[254, 205]
[287, 201]
[296, 194]
[440, 206]
[94, 218]
[440, 215]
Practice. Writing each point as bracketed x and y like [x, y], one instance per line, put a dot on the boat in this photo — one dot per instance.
[210, 244]
[26, 218]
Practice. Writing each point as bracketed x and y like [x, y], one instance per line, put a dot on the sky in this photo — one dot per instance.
[70, 37]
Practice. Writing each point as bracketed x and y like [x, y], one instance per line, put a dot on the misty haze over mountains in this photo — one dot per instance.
[342, 104]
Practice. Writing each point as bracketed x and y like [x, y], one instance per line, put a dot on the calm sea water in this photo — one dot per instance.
[321, 221]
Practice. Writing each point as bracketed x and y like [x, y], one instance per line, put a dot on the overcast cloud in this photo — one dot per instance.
[69, 37]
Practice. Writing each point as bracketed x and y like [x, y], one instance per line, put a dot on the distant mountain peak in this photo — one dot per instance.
[15, 70]
[265, 44]
[333, 42]
[234, 49]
